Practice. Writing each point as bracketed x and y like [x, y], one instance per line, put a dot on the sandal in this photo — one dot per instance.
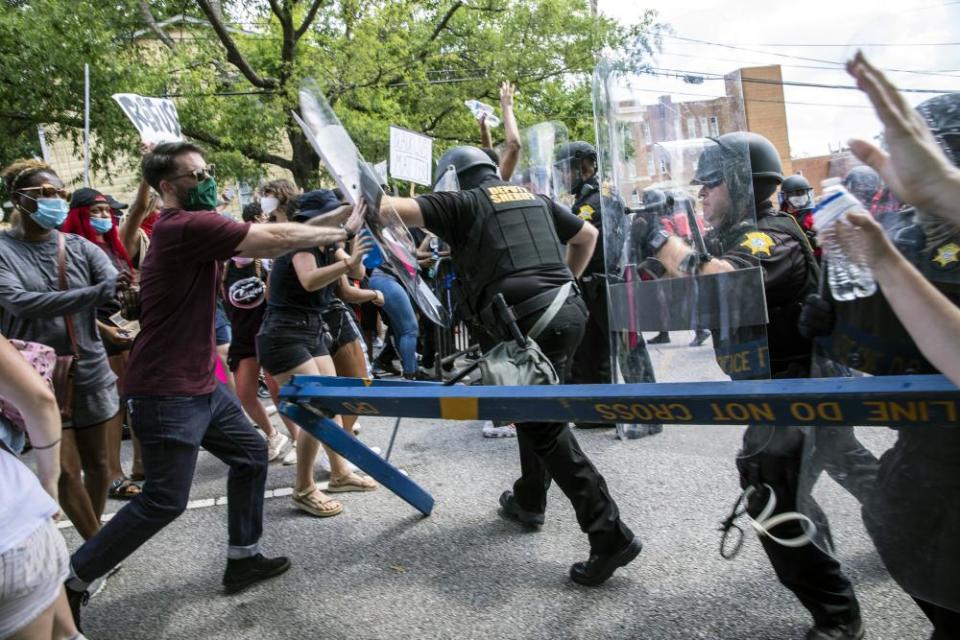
[314, 502]
[351, 482]
[124, 489]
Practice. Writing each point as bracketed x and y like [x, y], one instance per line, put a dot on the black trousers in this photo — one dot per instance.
[815, 577]
[549, 450]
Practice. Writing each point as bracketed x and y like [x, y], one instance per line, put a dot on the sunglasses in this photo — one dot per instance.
[46, 191]
[210, 171]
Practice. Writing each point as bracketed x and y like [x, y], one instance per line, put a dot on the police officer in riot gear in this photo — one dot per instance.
[505, 240]
[796, 198]
[909, 512]
[775, 242]
[591, 363]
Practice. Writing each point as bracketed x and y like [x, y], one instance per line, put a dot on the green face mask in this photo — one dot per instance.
[202, 197]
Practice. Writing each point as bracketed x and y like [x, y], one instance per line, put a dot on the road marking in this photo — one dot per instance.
[206, 503]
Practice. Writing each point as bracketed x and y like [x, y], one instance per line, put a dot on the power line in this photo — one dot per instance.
[859, 44]
[786, 55]
[800, 66]
[792, 83]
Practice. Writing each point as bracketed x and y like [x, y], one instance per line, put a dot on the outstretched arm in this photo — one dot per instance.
[511, 151]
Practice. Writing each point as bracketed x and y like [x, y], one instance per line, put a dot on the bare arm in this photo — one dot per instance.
[580, 248]
[142, 206]
[313, 277]
[356, 295]
[485, 140]
[511, 152]
[26, 390]
[273, 239]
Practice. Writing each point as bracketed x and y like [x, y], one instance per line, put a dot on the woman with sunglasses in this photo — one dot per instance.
[91, 217]
[34, 307]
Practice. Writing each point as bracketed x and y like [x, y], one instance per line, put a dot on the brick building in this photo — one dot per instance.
[758, 89]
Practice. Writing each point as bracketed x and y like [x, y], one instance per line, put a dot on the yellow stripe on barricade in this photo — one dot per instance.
[459, 408]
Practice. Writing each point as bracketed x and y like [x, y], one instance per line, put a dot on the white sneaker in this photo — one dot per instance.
[291, 458]
[278, 445]
[490, 430]
[356, 428]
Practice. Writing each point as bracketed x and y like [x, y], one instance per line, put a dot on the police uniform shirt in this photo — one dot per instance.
[450, 215]
[587, 208]
[779, 253]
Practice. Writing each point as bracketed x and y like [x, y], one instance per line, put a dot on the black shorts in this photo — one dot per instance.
[289, 338]
[341, 326]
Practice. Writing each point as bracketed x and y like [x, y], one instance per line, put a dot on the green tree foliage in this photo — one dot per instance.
[234, 68]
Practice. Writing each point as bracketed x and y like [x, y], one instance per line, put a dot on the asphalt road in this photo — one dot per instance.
[379, 570]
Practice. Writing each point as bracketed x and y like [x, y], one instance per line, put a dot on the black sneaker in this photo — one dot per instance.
[76, 599]
[850, 631]
[243, 572]
[510, 510]
[598, 568]
[661, 338]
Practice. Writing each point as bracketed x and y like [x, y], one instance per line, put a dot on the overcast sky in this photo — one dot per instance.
[818, 118]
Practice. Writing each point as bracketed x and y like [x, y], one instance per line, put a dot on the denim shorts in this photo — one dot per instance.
[288, 339]
[341, 326]
[223, 330]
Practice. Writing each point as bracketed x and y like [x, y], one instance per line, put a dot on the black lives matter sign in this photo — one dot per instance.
[155, 118]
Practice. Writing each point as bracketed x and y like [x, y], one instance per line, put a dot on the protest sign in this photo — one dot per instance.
[155, 118]
[411, 156]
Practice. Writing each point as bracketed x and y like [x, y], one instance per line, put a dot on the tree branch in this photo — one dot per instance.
[233, 54]
[250, 152]
[308, 19]
[436, 121]
[152, 24]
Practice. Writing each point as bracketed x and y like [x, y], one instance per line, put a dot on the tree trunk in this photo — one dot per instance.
[305, 162]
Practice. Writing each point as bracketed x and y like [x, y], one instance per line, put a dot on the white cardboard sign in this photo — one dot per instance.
[411, 156]
[155, 118]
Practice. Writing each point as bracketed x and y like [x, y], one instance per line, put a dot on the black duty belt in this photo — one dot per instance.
[488, 315]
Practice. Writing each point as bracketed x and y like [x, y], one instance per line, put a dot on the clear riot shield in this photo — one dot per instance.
[652, 170]
[890, 496]
[357, 179]
[536, 170]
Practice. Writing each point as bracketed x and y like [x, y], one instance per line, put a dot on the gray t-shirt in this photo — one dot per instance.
[32, 306]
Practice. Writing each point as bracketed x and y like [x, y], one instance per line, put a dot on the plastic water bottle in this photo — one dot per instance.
[480, 109]
[848, 273]
[374, 258]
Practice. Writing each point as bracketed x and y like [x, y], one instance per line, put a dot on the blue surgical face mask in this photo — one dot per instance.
[101, 225]
[50, 213]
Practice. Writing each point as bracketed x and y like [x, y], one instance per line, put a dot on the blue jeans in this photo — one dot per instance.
[403, 321]
[171, 430]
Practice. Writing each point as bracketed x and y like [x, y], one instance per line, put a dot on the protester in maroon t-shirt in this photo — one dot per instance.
[174, 401]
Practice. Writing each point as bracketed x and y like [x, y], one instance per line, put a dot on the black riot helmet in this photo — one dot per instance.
[943, 117]
[472, 165]
[569, 161]
[657, 202]
[796, 195]
[864, 183]
[747, 162]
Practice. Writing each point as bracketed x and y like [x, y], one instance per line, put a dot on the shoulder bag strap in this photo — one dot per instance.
[562, 294]
[62, 269]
